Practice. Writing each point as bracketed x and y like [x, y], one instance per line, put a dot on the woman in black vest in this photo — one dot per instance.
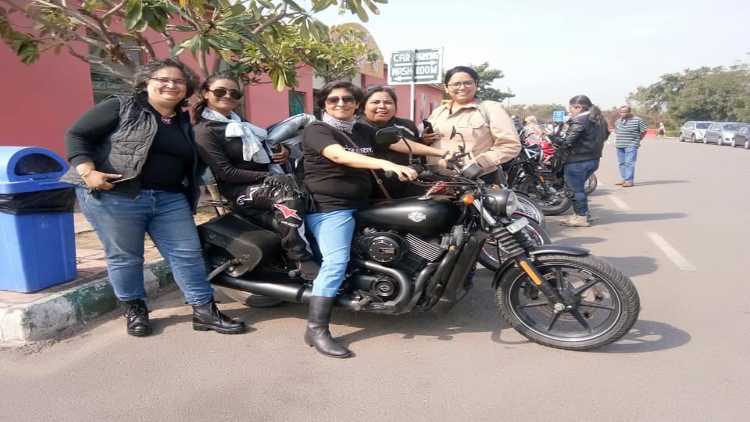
[248, 173]
[135, 163]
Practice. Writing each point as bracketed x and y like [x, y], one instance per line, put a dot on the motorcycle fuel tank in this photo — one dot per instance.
[426, 217]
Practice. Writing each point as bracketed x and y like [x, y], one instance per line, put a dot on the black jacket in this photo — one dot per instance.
[584, 138]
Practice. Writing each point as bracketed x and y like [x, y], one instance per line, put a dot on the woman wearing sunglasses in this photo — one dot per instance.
[488, 131]
[338, 159]
[247, 172]
[135, 165]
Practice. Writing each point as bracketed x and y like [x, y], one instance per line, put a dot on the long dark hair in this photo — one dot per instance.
[146, 71]
[200, 105]
[595, 114]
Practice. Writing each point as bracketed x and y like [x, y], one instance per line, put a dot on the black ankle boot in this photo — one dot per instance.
[136, 316]
[317, 333]
[207, 317]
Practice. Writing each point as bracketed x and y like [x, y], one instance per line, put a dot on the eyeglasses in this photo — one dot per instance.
[347, 99]
[459, 84]
[220, 92]
[166, 81]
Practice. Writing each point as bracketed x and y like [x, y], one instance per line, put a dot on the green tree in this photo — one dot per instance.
[211, 30]
[715, 94]
[487, 77]
[543, 112]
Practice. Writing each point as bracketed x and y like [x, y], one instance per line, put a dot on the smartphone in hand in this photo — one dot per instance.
[427, 127]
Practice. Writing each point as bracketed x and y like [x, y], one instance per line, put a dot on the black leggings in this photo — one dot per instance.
[279, 198]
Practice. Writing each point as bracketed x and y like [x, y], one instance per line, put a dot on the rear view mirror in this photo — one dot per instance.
[387, 136]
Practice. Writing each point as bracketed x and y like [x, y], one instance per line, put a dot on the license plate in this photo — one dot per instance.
[517, 225]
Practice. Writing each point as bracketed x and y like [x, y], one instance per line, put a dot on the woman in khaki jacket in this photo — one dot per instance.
[487, 129]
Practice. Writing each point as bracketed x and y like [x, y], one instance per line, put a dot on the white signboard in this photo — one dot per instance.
[415, 66]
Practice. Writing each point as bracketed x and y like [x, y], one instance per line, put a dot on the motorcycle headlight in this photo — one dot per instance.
[502, 203]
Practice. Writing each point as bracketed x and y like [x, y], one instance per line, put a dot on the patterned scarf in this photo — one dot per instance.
[342, 125]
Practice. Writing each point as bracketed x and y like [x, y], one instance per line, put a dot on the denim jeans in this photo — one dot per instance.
[626, 157]
[333, 231]
[576, 175]
[121, 223]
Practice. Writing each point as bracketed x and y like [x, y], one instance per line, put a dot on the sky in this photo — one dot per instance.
[551, 50]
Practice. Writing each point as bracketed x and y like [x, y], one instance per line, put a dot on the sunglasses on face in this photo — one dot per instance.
[221, 92]
[346, 99]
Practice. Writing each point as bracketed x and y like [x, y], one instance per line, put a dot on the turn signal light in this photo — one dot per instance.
[468, 199]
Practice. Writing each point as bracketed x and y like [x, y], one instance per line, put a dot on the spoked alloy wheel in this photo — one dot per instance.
[605, 303]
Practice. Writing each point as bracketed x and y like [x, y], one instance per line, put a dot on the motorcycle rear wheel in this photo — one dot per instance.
[591, 184]
[606, 303]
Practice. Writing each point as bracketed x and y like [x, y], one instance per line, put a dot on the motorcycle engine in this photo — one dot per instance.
[382, 247]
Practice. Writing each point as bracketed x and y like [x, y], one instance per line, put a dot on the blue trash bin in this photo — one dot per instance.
[37, 239]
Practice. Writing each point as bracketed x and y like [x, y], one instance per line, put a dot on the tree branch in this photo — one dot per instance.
[271, 21]
[114, 9]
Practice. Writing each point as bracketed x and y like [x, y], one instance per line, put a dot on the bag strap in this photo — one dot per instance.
[378, 180]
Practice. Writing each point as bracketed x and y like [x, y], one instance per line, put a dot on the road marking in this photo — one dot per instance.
[677, 259]
[619, 203]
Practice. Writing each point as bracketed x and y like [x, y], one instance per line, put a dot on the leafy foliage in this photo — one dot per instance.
[714, 94]
[253, 36]
[487, 77]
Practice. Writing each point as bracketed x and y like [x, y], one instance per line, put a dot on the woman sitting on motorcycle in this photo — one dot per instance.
[338, 160]
[486, 128]
[247, 171]
[379, 110]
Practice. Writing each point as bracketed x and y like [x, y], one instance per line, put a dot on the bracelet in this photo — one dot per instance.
[85, 173]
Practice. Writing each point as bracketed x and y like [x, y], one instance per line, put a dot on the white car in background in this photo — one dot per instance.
[693, 131]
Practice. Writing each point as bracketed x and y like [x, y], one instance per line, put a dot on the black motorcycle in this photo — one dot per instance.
[420, 254]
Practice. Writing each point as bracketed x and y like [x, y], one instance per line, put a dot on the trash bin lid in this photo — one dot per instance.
[30, 169]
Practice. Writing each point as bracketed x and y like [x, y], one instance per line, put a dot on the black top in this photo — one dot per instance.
[395, 187]
[334, 186]
[224, 156]
[169, 160]
[584, 139]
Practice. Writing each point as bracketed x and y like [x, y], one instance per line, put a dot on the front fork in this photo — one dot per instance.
[521, 258]
[556, 300]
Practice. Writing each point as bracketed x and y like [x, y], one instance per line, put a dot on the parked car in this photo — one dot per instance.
[693, 131]
[721, 133]
[742, 137]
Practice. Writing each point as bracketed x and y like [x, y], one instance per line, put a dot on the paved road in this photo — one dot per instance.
[681, 235]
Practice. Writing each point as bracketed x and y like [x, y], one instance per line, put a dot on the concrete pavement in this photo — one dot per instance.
[686, 359]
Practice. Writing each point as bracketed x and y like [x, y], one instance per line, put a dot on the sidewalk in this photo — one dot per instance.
[63, 309]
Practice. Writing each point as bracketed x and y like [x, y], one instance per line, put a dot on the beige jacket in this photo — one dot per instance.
[490, 143]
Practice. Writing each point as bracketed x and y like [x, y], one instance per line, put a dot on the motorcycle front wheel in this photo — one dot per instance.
[550, 200]
[606, 303]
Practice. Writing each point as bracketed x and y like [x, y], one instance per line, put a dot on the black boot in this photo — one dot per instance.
[317, 333]
[207, 317]
[136, 316]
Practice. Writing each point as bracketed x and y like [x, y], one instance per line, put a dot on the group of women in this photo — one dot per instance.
[136, 160]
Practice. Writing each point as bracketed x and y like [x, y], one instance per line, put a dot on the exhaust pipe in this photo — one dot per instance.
[288, 292]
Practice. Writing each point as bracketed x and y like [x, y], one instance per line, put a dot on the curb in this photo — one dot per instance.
[69, 310]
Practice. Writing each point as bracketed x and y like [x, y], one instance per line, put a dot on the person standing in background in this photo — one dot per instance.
[629, 131]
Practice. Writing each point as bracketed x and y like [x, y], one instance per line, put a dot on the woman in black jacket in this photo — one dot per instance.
[582, 147]
[135, 163]
[248, 173]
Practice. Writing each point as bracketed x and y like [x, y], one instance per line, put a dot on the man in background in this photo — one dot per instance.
[629, 131]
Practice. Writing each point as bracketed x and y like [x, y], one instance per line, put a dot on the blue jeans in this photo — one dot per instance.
[626, 157]
[333, 231]
[121, 223]
[576, 175]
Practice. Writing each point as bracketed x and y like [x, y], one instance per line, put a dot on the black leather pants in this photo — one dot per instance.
[280, 198]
